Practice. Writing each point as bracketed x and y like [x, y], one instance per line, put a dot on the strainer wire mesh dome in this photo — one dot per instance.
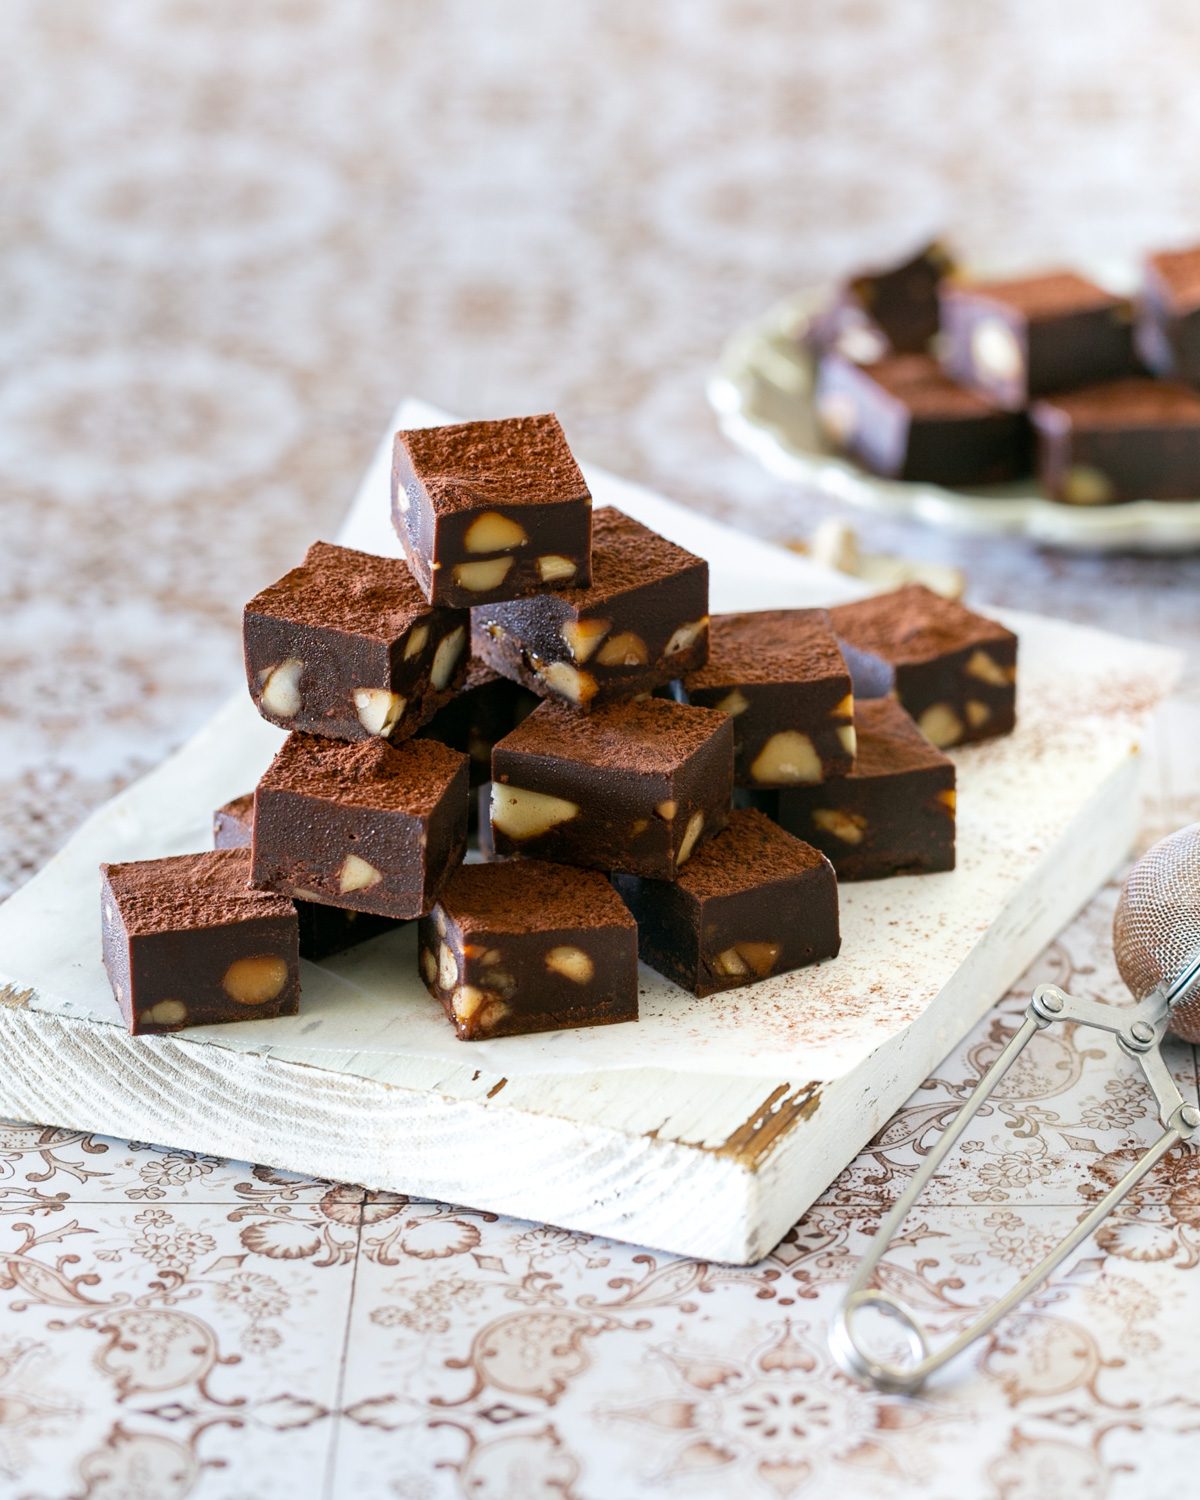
[1156, 929]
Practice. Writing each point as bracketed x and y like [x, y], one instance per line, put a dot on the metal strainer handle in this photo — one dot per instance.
[1156, 939]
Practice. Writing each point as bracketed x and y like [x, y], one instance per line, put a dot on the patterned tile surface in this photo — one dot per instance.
[230, 238]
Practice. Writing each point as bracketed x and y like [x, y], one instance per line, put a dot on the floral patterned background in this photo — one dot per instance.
[230, 238]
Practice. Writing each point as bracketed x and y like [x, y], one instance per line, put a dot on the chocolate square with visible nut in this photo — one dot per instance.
[778, 673]
[632, 786]
[641, 622]
[529, 946]
[346, 646]
[372, 827]
[955, 671]
[1129, 440]
[491, 510]
[324, 930]
[893, 814]
[752, 902]
[1012, 340]
[187, 942]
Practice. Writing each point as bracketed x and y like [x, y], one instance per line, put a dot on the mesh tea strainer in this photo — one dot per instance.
[1156, 941]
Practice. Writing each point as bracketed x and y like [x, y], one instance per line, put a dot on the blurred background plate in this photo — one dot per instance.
[762, 392]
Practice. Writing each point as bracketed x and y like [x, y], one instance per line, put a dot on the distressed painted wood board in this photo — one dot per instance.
[709, 1126]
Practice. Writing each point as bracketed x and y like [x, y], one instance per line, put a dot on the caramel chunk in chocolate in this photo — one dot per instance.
[372, 827]
[529, 946]
[633, 786]
[892, 815]
[752, 902]
[187, 942]
[491, 510]
[954, 671]
[324, 930]
[1012, 340]
[641, 622]
[778, 673]
[904, 418]
[1130, 440]
[346, 646]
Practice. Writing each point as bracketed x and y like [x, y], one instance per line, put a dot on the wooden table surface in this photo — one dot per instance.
[230, 238]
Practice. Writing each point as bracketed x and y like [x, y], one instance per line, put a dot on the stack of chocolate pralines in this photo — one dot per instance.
[641, 777]
[925, 374]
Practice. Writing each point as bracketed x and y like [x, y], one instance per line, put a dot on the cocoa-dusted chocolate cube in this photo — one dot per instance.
[904, 418]
[324, 930]
[373, 827]
[346, 646]
[632, 786]
[483, 711]
[778, 673]
[1012, 340]
[491, 510]
[1130, 440]
[892, 815]
[187, 942]
[954, 671]
[752, 902]
[1167, 331]
[529, 946]
[889, 310]
[641, 622]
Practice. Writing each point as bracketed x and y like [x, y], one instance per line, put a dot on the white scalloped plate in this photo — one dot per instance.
[761, 391]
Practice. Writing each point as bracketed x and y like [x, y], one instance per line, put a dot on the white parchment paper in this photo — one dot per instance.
[1083, 695]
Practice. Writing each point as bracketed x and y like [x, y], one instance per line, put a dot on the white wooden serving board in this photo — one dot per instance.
[707, 1127]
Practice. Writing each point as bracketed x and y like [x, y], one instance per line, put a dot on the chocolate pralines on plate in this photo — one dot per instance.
[1051, 374]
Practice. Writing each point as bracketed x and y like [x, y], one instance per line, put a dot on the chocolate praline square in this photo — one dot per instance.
[633, 786]
[491, 510]
[324, 930]
[187, 942]
[1012, 340]
[527, 946]
[904, 418]
[346, 646]
[954, 671]
[1130, 440]
[372, 827]
[642, 621]
[752, 902]
[780, 676]
[893, 814]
